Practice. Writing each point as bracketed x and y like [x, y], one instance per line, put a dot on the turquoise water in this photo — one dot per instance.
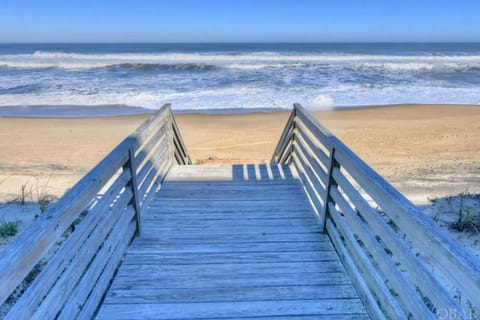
[238, 76]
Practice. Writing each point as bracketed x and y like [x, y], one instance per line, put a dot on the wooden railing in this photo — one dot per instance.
[89, 228]
[402, 264]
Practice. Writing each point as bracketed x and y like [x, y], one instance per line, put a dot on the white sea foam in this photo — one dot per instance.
[197, 81]
[250, 61]
[245, 97]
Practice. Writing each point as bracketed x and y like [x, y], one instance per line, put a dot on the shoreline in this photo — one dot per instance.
[102, 111]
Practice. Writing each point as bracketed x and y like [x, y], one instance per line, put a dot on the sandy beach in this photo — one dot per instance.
[425, 150]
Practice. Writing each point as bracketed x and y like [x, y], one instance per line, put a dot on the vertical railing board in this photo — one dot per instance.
[130, 165]
[330, 182]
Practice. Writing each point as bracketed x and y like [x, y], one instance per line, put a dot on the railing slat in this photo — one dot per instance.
[29, 301]
[369, 272]
[317, 130]
[60, 292]
[26, 250]
[321, 155]
[447, 258]
[313, 179]
[142, 154]
[284, 139]
[142, 133]
[309, 190]
[355, 275]
[95, 297]
[439, 256]
[179, 138]
[116, 241]
[159, 152]
[415, 270]
[400, 288]
[320, 175]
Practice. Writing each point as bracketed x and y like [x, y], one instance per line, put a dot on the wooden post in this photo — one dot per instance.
[292, 147]
[330, 181]
[130, 165]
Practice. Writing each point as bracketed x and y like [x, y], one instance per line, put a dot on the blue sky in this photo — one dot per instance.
[239, 21]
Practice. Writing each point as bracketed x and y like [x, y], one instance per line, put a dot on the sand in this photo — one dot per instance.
[411, 145]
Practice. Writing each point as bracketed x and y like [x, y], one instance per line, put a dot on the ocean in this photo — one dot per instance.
[241, 77]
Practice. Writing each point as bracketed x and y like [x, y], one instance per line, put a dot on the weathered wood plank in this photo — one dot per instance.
[222, 280]
[310, 192]
[322, 134]
[333, 291]
[218, 258]
[238, 223]
[315, 149]
[146, 150]
[247, 195]
[233, 268]
[319, 173]
[230, 215]
[235, 247]
[211, 204]
[146, 129]
[229, 238]
[313, 180]
[232, 230]
[227, 309]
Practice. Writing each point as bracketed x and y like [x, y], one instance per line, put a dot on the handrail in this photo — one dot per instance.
[402, 264]
[94, 221]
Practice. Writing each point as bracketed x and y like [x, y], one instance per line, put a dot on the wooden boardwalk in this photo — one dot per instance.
[147, 235]
[232, 242]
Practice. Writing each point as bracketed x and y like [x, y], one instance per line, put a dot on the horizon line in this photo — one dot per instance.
[247, 42]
